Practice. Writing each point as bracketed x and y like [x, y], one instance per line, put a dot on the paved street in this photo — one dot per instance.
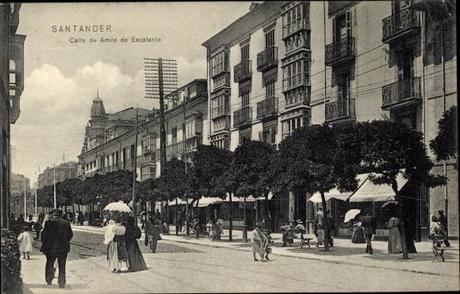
[181, 266]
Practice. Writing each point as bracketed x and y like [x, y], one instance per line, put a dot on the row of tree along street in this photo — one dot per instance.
[312, 159]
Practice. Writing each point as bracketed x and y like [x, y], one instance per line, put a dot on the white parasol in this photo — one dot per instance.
[118, 206]
[351, 214]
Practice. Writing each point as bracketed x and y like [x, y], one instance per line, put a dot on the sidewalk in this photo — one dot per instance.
[344, 252]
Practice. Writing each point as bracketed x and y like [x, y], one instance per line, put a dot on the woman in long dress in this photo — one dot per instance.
[319, 228]
[119, 238]
[394, 238]
[112, 254]
[135, 260]
[358, 234]
[258, 243]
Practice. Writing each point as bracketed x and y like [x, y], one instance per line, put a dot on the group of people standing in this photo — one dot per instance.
[215, 229]
[123, 253]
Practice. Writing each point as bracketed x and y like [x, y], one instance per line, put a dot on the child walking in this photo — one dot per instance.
[25, 239]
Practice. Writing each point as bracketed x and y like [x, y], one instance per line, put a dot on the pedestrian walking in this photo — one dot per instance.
[56, 238]
[25, 242]
[136, 261]
[38, 226]
[358, 233]
[197, 227]
[369, 225]
[331, 226]
[80, 218]
[442, 219]
[394, 237]
[318, 227]
[152, 232]
[258, 243]
[288, 235]
[77, 214]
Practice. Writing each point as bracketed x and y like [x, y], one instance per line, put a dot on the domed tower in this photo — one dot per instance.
[97, 109]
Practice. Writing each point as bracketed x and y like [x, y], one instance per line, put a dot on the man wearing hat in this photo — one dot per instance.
[56, 237]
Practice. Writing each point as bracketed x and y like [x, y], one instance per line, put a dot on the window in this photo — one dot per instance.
[343, 86]
[219, 105]
[290, 125]
[245, 97]
[405, 63]
[270, 89]
[270, 39]
[219, 63]
[174, 136]
[341, 27]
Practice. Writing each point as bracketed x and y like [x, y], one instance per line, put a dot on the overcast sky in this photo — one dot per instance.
[62, 78]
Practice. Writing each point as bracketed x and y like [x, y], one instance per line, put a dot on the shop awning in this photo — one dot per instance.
[372, 192]
[205, 201]
[336, 194]
[179, 202]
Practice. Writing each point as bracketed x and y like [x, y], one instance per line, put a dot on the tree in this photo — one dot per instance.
[445, 144]
[313, 162]
[389, 148]
[207, 176]
[252, 169]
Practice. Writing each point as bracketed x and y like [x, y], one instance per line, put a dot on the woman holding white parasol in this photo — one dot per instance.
[114, 237]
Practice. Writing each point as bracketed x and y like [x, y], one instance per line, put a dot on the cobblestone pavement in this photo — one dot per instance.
[185, 265]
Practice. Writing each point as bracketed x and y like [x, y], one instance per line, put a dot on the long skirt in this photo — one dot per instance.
[122, 255]
[394, 241]
[358, 236]
[153, 242]
[320, 236]
[112, 256]
[136, 261]
[258, 248]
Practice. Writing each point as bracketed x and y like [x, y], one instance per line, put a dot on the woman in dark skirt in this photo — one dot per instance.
[135, 259]
[358, 233]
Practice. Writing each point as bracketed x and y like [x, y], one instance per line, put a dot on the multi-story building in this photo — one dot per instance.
[20, 185]
[11, 87]
[338, 62]
[59, 173]
[185, 117]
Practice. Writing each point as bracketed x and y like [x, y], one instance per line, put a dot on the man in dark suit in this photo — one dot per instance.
[369, 225]
[56, 238]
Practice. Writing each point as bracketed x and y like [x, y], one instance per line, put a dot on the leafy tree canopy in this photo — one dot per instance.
[445, 144]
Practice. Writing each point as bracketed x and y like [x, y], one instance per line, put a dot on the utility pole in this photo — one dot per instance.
[25, 198]
[160, 80]
[36, 187]
[187, 219]
[54, 186]
[135, 169]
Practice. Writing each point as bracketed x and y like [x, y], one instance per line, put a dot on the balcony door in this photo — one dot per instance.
[341, 27]
[405, 64]
[343, 87]
[269, 39]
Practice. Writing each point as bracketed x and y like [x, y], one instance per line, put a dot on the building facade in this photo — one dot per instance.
[59, 173]
[11, 87]
[20, 186]
[185, 117]
[285, 65]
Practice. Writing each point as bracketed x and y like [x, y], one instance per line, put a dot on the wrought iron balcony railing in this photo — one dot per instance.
[401, 93]
[267, 108]
[242, 117]
[340, 51]
[267, 59]
[400, 24]
[340, 109]
[242, 71]
[300, 79]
